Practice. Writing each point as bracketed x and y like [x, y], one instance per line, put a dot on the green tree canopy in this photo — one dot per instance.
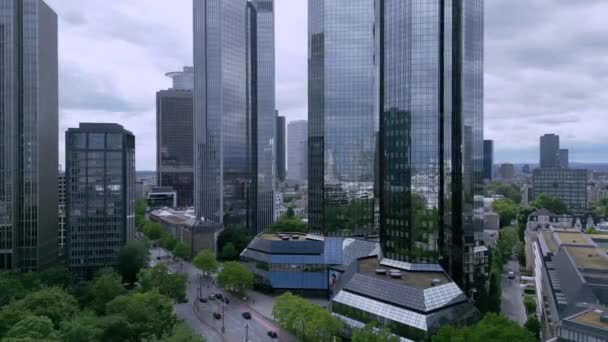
[170, 285]
[11, 288]
[33, 328]
[510, 191]
[370, 333]
[506, 209]
[132, 258]
[181, 251]
[82, 327]
[205, 261]
[533, 326]
[287, 223]
[106, 286]
[168, 242]
[492, 327]
[235, 277]
[239, 236]
[153, 230]
[229, 252]
[183, 333]
[551, 203]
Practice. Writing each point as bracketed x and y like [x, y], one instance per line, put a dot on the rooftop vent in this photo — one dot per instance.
[380, 271]
[590, 255]
[604, 318]
[285, 238]
[395, 274]
[435, 282]
[295, 237]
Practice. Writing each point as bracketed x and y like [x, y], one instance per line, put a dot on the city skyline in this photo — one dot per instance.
[514, 72]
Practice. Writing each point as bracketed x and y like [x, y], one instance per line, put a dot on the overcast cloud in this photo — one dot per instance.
[546, 68]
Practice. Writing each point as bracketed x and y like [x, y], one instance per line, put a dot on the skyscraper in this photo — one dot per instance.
[342, 115]
[222, 169]
[431, 132]
[100, 195]
[266, 116]
[281, 172]
[28, 135]
[61, 208]
[488, 159]
[174, 136]
[297, 150]
[564, 160]
[549, 151]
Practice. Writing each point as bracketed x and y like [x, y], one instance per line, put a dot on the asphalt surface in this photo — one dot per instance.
[199, 316]
[512, 301]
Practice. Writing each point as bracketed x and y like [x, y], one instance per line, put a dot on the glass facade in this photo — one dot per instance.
[266, 116]
[488, 159]
[549, 151]
[221, 135]
[100, 195]
[297, 150]
[431, 131]
[569, 185]
[28, 135]
[174, 137]
[281, 171]
[342, 116]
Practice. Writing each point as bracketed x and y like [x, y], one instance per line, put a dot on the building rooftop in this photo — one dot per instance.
[592, 318]
[548, 238]
[589, 258]
[419, 280]
[573, 238]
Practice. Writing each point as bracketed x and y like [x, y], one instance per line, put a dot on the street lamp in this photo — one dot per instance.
[223, 316]
[246, 332]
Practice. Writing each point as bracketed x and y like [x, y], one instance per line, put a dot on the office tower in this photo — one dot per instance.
[564, 161]
[100, 195]
[507, 171]
[431, 133]
[28, 135]
[526, 169]
[342, 115]
[297, 150]
[569, 185]
[549, 150]
[265, 116]
[174, 136]
[488, 159]
[281, 172]
[61, 208]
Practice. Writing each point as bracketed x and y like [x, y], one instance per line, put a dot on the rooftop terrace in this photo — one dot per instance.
[589, 257]
[592, 318]
[419, 280]
[573, 238]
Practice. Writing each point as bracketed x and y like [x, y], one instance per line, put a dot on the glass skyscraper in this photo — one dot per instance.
[297, 150]
[222, 171]
[281, 144]
[549, 151]
[28, 135]
[488, 159]
[100, 195]
[342, 115]
[431, 132]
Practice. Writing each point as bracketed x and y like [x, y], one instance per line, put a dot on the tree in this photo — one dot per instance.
[510, 191]
[286, 223]
[522, 254]
[530, 305]
[522, 221]
[506, 209]
[229, 252]
[83, 327]
[183, 333]
[551, 203]
[170, 285]
[239, 236]
[168, 242]
[601, 207]
[205, 261]
[132, 258]
[153, 230]
[370, 333]
[55, 276]
[492, 327]
[146, 315]
[533, 325]
[494, 293]
[107, 286]
[306, 320]
[140, 212]
[32, 328]
[235, 277]
[181, 251]
[11, 288]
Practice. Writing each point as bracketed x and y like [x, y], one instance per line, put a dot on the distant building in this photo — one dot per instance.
[488, 159]
[281, 143]
[564, 161]
[28, 135]
[174, 136]
[162, 197]
[100, 195]
[507, 171]
[588, 325]
[596, 193]
[569, 185]
[526, 169]
[549, 151]
[526, 194]
[297, 147]
[491, 221]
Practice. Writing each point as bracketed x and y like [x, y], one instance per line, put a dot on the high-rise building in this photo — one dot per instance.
[61, 208]
[549, 150]
[222, 141]
[281, 171]
[297, 150]
[564, 160]
[174, 136]
[342, 115]
[28, 135]
[265, 116]
[100, 195]
[488, 159]
[507, 171]
[569, 185]
[431, 133]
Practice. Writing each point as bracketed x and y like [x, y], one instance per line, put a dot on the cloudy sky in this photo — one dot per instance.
[546, 69]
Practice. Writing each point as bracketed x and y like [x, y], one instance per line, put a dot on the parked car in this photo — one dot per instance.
[511, 275]
[211, 297]
[273, 334]
[226, 300]
[203, 300]
[247, 315]
[218, 296]
[217, 315]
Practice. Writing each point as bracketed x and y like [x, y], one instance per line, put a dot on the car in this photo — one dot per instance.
[217, 315]
[203, 300]
[218, 296]
[157, 258]
[247, 315]
[226, 300]
[511, 275]
[273, 334]
[211, 297]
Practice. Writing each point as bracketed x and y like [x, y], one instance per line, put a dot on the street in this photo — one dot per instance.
[199, 315]
[512, 301]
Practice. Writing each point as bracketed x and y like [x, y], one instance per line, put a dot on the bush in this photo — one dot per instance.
[530, 304]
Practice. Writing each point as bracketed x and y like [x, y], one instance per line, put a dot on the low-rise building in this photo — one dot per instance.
[589, 325]
[569, 185]
[491, 221]
[161, 197]
[184, 226]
